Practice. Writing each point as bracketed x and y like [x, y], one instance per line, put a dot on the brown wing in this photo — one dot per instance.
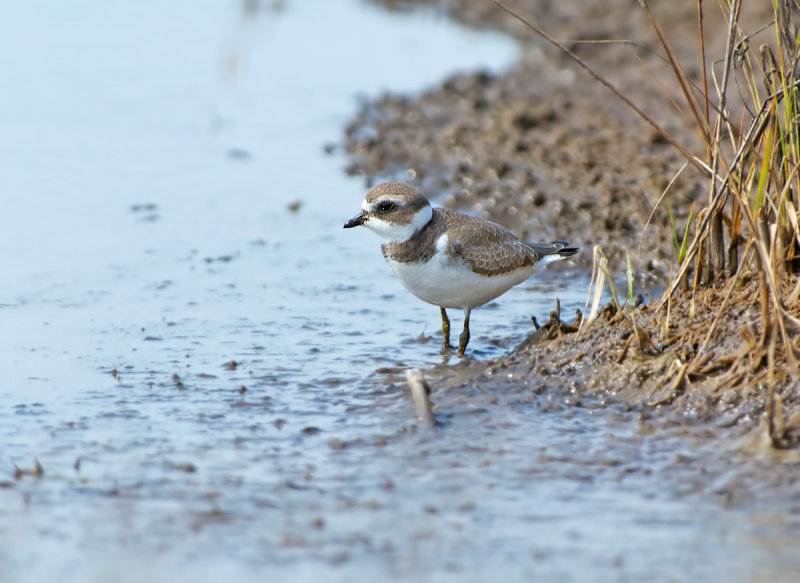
[486, 247]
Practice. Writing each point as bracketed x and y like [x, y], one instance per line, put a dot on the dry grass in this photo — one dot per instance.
[744, 246]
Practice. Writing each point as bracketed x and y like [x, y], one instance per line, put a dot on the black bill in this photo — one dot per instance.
[355, 221]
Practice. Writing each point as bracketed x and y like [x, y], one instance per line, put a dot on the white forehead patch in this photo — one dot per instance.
[373, 207]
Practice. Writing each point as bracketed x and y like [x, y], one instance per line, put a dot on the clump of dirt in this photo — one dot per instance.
[552, 154]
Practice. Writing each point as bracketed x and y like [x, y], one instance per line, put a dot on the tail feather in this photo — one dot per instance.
[549, 252]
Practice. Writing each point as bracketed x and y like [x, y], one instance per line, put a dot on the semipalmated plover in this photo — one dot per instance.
[446, 258]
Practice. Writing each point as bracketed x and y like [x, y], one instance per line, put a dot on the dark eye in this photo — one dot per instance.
[385, 206]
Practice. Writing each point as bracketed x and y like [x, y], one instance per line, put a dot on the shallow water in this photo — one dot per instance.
[212, 382]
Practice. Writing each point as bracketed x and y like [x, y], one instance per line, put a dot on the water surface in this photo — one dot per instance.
[212, 382]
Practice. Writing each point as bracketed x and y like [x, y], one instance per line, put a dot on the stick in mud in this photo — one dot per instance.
[419, 394]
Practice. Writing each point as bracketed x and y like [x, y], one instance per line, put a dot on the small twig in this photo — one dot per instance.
[625, 348]
[674, 388]
[724, 362]
[420, 392]
[570, 360]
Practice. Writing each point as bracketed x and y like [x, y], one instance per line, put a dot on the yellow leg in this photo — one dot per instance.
[463, 340]
[445, 331]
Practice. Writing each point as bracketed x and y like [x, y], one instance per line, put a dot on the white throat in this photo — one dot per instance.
[392, 232]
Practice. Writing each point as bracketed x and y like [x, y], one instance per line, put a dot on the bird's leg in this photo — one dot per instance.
[463, 340]
[445, 331]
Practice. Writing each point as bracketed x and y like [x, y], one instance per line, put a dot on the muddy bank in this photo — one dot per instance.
[552, 154]
[712, 367]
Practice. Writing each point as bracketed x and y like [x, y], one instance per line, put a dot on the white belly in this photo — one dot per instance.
[449, 284]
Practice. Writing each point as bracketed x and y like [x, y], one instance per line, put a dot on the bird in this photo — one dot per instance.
[447, 258]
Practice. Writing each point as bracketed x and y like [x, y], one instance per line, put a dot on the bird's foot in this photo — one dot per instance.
[462, 342]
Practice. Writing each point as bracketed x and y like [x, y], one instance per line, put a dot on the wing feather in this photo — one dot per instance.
[486, 247]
